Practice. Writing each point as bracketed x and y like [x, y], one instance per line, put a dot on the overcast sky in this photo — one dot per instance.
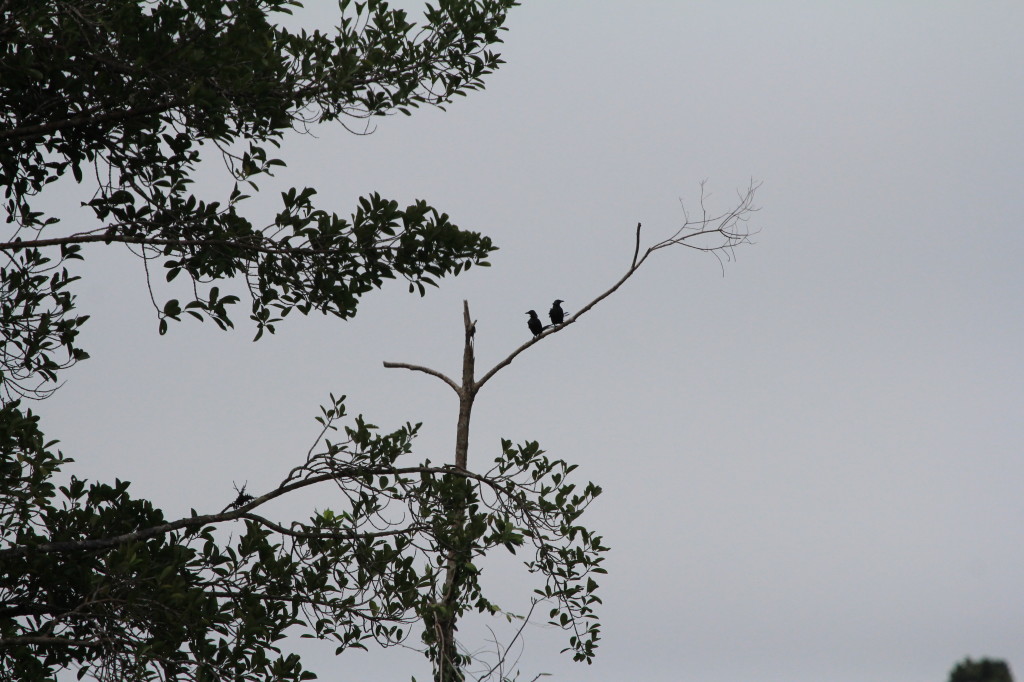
[812, 465]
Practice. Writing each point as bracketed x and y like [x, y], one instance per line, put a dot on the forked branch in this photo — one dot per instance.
[718, 234]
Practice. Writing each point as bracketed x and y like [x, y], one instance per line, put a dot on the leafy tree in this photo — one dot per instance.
[982, 670]
[131, 96]
[105, 583]
[128, 93]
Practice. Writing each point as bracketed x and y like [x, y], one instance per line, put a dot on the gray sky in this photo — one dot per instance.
[812, 465]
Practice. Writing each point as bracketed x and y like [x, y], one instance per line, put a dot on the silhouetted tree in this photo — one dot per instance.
[122, 94]
[982, 670]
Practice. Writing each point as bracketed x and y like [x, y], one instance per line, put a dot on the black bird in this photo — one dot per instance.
[534, 323]
[556, 313]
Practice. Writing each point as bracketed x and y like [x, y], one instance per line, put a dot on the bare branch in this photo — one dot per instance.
[729, 227]
[636, 250]
[552, 330]
[333, 536]
[502, 655]
[426, 370]
[467, 392]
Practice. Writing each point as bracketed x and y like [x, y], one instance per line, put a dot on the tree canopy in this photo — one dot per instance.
[129, 97]
[981, 670]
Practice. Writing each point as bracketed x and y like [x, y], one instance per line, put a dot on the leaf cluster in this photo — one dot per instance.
[131, 97]
[151, 607]
[981, 670]
[96, 580]
[38, 322]
[126, 95]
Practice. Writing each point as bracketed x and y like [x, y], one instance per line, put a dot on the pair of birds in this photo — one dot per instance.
[556, 314]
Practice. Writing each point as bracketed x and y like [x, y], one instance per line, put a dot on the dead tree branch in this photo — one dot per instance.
[426, 370]
[717, 234]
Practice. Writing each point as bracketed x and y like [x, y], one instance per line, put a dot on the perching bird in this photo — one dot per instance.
[556, 313]
[534, 323]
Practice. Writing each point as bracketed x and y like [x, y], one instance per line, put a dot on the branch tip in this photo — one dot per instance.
[636, 249]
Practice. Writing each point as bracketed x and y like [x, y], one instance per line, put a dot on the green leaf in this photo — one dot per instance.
[172, 308]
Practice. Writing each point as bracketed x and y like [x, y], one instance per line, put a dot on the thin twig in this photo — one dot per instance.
[519, 632]
[636, 249]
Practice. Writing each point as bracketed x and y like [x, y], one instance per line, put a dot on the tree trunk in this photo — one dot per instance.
[449, 668]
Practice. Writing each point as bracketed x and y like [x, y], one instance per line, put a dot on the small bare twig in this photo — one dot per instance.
[636, 249]
[503, 651]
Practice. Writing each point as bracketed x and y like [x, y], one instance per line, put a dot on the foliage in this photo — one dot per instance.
[129, 97]
[130, 93]
[94, 578]
[982, 670]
